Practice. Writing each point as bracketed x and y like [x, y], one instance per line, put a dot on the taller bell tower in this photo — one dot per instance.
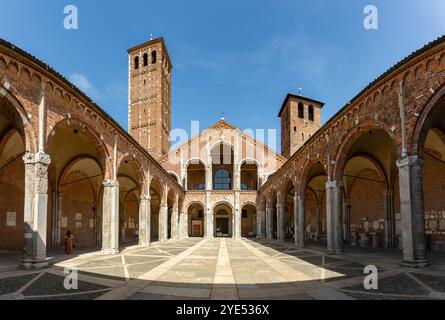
[149, 96]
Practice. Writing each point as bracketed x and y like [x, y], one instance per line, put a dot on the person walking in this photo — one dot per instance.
[69, 242]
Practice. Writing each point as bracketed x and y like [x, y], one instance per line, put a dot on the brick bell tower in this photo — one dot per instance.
[300, 119]
[149, 95]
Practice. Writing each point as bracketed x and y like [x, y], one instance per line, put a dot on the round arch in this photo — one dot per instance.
[84, 129]
[350, 140]
[16, 114]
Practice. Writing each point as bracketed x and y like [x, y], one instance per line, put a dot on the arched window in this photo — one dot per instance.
[300, 110]
[153, 57]
[311, 113]
[222, 180]
[136, 62]
[145, 57]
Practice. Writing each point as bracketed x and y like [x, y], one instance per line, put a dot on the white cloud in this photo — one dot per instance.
[81, 81]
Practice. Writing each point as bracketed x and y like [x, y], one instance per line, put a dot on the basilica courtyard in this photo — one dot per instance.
[352, 208]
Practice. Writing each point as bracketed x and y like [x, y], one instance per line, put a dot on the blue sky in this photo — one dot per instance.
[237, 57]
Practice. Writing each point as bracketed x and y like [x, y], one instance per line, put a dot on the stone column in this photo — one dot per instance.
[412, 211]
[237, 216]
[183, 225]
[209, 217]
[174, 220]
[35, 210]
[319, 216]
[208, 177]
[261, 224]
[122, 222]
[347, 221]
[110, 217]
[163, 222]
[280, 222]
[144, 220]
[57, 236]
[269, 223]
[390, 224]
[301, 222]
[334, 211]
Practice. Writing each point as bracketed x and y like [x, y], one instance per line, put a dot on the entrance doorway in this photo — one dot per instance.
[223, 221]
[222, 227]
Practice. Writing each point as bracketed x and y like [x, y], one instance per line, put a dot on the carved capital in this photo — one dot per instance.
[108, 183]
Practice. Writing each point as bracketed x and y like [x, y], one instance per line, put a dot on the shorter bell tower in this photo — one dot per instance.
[300, 119]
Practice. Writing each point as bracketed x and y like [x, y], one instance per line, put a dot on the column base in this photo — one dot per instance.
[416, 263]
[301, 245]
[334, 252]
[34, 264]
[109, 251]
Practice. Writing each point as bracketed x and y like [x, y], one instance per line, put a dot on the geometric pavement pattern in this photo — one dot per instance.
[225, 269]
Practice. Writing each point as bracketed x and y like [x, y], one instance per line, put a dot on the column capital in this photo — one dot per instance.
[410, 161]
[39, 157]
[334, 184]
[145, 197]
[300, 196]
[108, 183]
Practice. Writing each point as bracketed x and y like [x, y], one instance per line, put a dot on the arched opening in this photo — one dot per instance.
[155, 204]
[196, 220]
[12, 184]
[196, 176]
[248, 221]
[130, 180]
[223, 221]
[311, 114]
[289, 211]
[272, 217]
[171, 218]
[76, 176]
[300, 110]
[145, 58]
[223, 168]
[434, 188]
[249, 175]
[368, 202]
[136, 62]
[78, 202]
[153, 57]
[175, 176]
[315, 205]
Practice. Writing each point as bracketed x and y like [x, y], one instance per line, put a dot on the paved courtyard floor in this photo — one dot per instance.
[224, 269]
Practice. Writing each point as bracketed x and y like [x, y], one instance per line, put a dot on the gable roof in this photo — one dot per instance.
[226, 125]
[291, 95]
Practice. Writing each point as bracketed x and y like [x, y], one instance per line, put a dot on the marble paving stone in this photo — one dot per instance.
[398, 284]
[11, 285]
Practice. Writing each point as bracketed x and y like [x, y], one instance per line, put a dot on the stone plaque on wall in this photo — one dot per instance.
[78, 224]
[91, 223]
[11, 219]
[78, 217]
[64, 222]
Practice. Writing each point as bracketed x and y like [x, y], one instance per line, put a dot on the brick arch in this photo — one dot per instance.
[138, 168]
[191, 203]
[303, 180]
[73, 161]
[156, 184]
[425, 122]
[66, 174]
[377, 166]
[94, 137]
[6, 137]
[349, 141]
[19, 118]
